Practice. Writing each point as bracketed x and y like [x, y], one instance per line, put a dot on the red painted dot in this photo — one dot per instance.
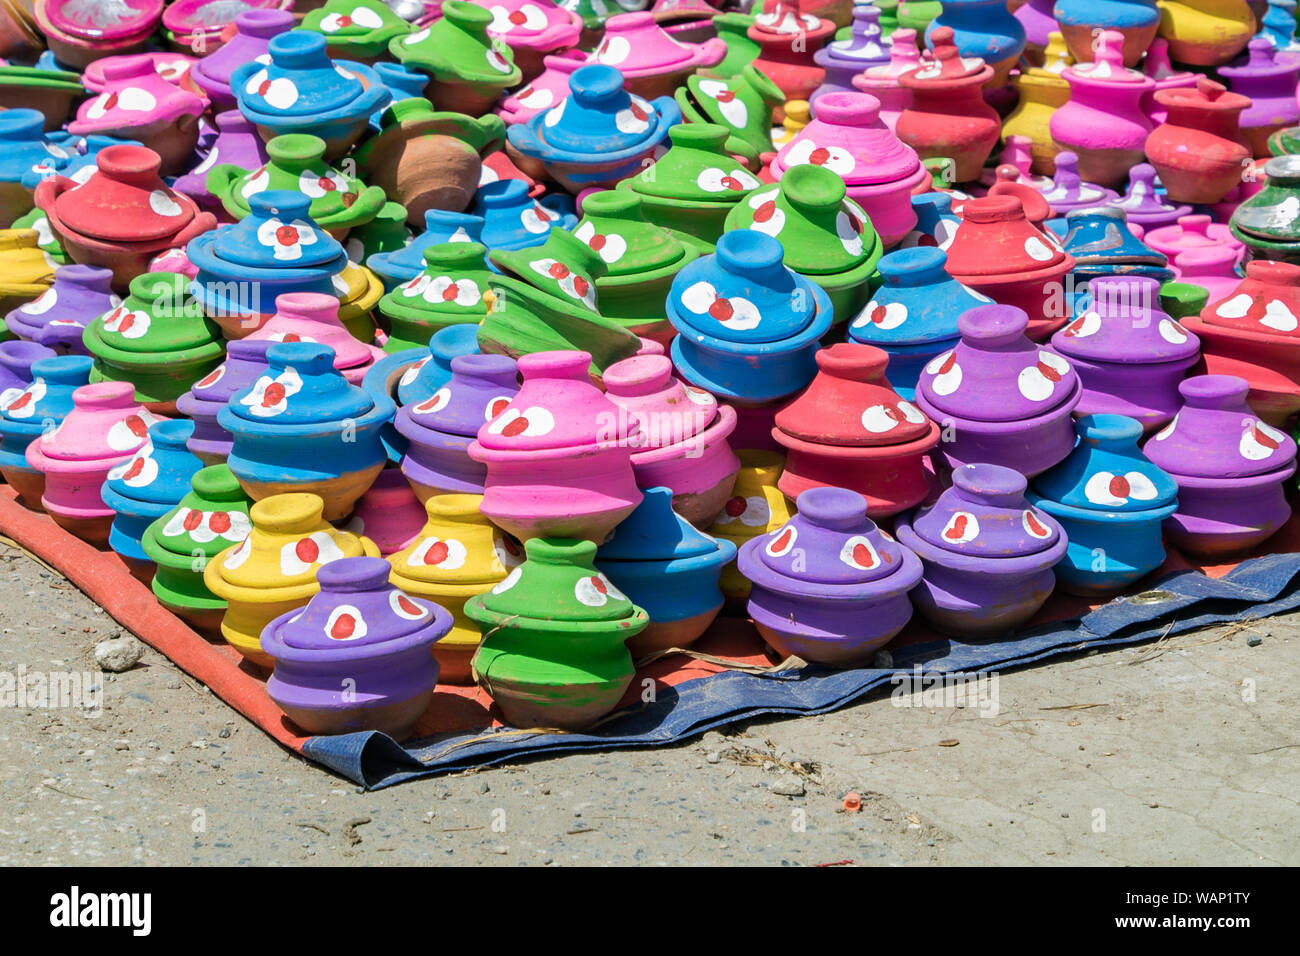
[1265, 440]
[22, 401]
[137, 426]
[286, 235]
[892, 413]
[449, 294]
[274, 395]
[639, 113]
[736, 507]
[135, 468]
[111, 102]
[948, 364]
[264, 87]
[345, 21]
[721, 310]
[1119, 486]
[291, 337]
[409, 606]
[345, 625]
[497, 407]
[784, 540]
[558, 270]
[599, 585]
[765, 212]
[863, 557]
[731, 182]
[307, 550]
[127, 321]
[598, 242]
[518, 18]
[1035, 526]
[726, 96]
[958, 529]
[437, 553]
[879, 314]
[219, 522]
[211, 377]
[541, 213]
[819, 156]
[580, 286]
[1074, 328]
[192, 520]
[1049, 373]
[927, 241]
[516, 427]
[327, 184]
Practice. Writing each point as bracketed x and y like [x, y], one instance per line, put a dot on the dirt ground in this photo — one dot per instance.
[1182, 752]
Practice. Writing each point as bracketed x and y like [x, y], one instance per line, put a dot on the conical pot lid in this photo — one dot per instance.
[481, 388]
[125, 200]
[1124, 324]
[654, 532]
[985, 514]
[278, 233]
[210, 518]
[831, 541]
[559, 582]
[300, 386]
[848, 138]
[1266, 302]
[614, 227]
[300, 80]
[1106, 471]
[665, 409]
[696, 168]
[357, 607]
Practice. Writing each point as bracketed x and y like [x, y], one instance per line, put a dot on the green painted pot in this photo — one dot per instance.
[469, 69]
[917, 14]
[356, 29]
[888, 15]
[450, 291]
[1183, 299]
[744, 104]
[53, 92]
[1269, 221]
[733, 29]
[387, 232]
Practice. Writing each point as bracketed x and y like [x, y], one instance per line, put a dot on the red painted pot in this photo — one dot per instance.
[1199, 151]
[789, 37]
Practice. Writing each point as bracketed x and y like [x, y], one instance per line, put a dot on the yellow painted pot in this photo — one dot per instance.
[1041, 93]
[457, 554]
[359, 291]
[756, 506]
[795, 115]
[274, 570]
[1205, 32]
[25, 271]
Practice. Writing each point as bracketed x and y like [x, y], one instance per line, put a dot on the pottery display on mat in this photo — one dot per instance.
[682, 442]
[850, 429]
[315, 318]
[450, 291]
[828, 586]
[544, 90]
[1008, 400]
[554, 648]
[356, 29]
[122, 215]
[1042, 93]
[236, 145]
[756, 506]
[1268, 223]
[987, 553]
[1111, 501]
[58, 317]
[1129, 355]
[1198, 151]
[1080, 22]
[244, 363]
[789, 37]
[388, 513]
[670, 569]
[948, 117]
[254, 29]
[105, 428]
[359, 656]
[1268, 79]
[844, 59]
[743, 103]
[985, 30]
[748, 325]
[913, 315]
[405, 263]
[558, 456]
[533, 29]
[29, 410]
[882, 81]
[1206, 32]
[273, 570]
[22, 138]
[1144, 205]
[514, 219]
[1231, 469]
[456, 554]
[78, 33]
[469, 69]
[827, 237]
[211, 517]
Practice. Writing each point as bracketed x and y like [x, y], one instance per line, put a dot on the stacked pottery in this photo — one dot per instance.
[16, 359]
[1268, 223]
[789, 38]
[913, 316]
[57, 318]
[302, 427]
[469, 69]
[1111, 501]
[1212, 270]
[1206, 32]
[273, 571]
[358, 657]
[104, 428]
[28, 412]
[245, 361]
[147, 486]
[829, 586]
[25, 147]
[388, 513]
[532, 29]
[356, 29]
[1268, 79]
[432, 370]
[253, 32]
[1103, 122]
[399, 265]
[1005, 400]
[882, 81]
[670, 569]
[1042, 93]
[827, 237]
[948, 117]
[513, 219]
[441, 428]
[554, 636]
[987, 554]
[456, 555]
[983, 29]
[1129, 355]
[744, 104]
[756, 507]
[1144, 206]
[558, 456]
[450, 291]
[238, 145]
[936, 223]
[1081, 21]
[80, 33]
[844, 59]
[542, 91]
[312, 317]
[1230, 468]
[683, 431]
[157, 339]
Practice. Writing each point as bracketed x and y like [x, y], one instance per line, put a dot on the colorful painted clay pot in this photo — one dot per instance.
[1101, 243]
[238, 146]
[544, 90]
[1111, 502]
[732, 28]
[388, 513]
[302, 426]
[683, 432]
[104, 429]
[26, 272]
[1279, 24]
[356, 29]
[24, 145]
[1081, 21]
[670, 569]
[57, 318]
[1182, 300]
[253, 32]
[450, 291]
[948, 117]
[828, 585]
[1213, 270]
[798, 114]
[1069, 192]
[1268, 222]
[52, 92]
[882, 81]
[33, 409]
[558, 456]
[122, 215]
[743, 103]
[79, 32]
[917, 14]
[844, 59]
[514, 219]
[273, 571]
[748, 325]
[1042, 93]
[912, 317]
[936, 223]
[983, 29]
[403, 264]
[1199, 151]
[456, 555]
[652, 63]
[469, 69]
[16, 360]
[212, 517]
[789, 38]
[1206, 32]
[1007, 400]
[554, 635]
[1143, 205]
[1191, 232]
[197, 25]
[244, 363]
[312, 317]
[432, 369]
[756, 506]
[532, 29]
[302, 90]
[1268, 79]
[386, 233]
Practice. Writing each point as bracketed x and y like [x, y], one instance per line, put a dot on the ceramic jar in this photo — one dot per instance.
[882, 81]
[936, 223]
[756, 507]
[1111, 501]
[532, 29]
[32, 409]
[1144, 206]
[789, 38]
[984, 29]
[456, 555]
[244, 363]
[273, 571]
[122, 215]
[356, 29]
[514, 219]
[743, 103]
[312, 317]
[1042, 93]
[26, 272]
[1268, 223]
[402, 82]
[554, 635]
[16, 359]
[469, 69]
[748, 326]
[52, 92]
[948, 117]
[1008, 402]
[57, 318]
[402, 264]
[1069, 192]
[558, 456]
[432, 370]
[104, 429]
[843, 59]
[841, 593]
[238, 146]
[25, 147]
[254, 29]
[1101, 243]
[1199, 152]
[1268, 80]
[732, 28]
[451, 290]
[1206, 32]
[80, 33]
[670, 569]
[1192, 232]
[652, 63]
[1082, 20]
[913, 316]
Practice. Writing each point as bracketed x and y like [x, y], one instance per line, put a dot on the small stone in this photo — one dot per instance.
[500, 850]
[483, 787]
[1153, 805]
[1254, 640]
[713, 757]
[118, 654]
[199, 744]
[883, 660]
[223, 733]
[788, 787]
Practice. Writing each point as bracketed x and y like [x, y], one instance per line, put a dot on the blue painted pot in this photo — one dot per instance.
[403, 265]
[402, 83]
[245, 362]
[40, 406]
[1102, 245]
[514, 220]
[936, 223]
[982, 28]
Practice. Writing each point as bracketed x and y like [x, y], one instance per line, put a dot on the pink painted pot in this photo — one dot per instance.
[79, 32]
[544, 91]
[559, 457]
[388, 514]
[1193, 232]
[532, 29]
[882, 81]
[313, 317]
[652, 63]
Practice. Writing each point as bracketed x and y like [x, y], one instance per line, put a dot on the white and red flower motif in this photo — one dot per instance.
[412, 373]
[610, 247]
[945, 230]
[132, 99]
[1035, 526]
[1275, 315]
[768, 218]
[255, 182]
[406, 607]
[434, 403]
[537, 219]
[699, 396]
[279, 93]
[636, 118]
[735, 313]
[239, 555]
[205, 526]
[860, 554]
[782, 540]
[47, 300]
[946, 372]
[137, 472]
[128, 323]
[164, 204]
[447, 554]
[316, 185]
[596, 591]
[286, 239]
[879, 419]
[445, 289]
[832, 157]
[571, 284]
[612, 51]
[715, 180]
[528, 17]
[731, 107]
[752, 512]
[270, 396]
[535, 98]
[886, 317]
[531, 422]
[495, 56]
[848, 226]
[509, 581]
[1039, 381]
[1112, 490]
[362, 17]
[345, 623]
[962, 527]
[1085, 325]
[131, 432]
[289, 337]
[21, 403]
[1258, 441]
[1172, 332]
[298, 557]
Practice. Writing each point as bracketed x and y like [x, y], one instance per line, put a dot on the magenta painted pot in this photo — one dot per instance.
[313, 317]
[544, 90]
[388, 514]
[882, 81]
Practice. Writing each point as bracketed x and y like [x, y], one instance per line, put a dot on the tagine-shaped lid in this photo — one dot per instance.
[598, 116]
[433, 371]
[1265, 71]
[457, 48]
[848, 138]
[210, 518]
[253, 32]
[645, 388]
[1142, 204]
[79, 295]
[1217, 435]
[300, 386]
[106, 423]
[918, 301]
[851, 403]
[995, 238]
[47, 396]
[1100, 236]
[450, 289]
[742, 293]
[103, 21]
[947, 69]
[558, 582]
[654, 532]
[995, 374]
[743, 102]
[313, 317]
[481, 388]
[614, 227]
[1107, 68]
[125, 200]
[16, 359]
[440, 226]
[1123, 325]
[1106, 471]
[525, 22]
[1214, 270]
[1191, 232]
[22, 143]
[134, 95]
[696, 168]
[245, 363]
[984, 514]
[1266, 302]
[160, 472]
[786, 19]
[299, 81]
[564, 267]
[904, 56]
[638, 46]
[278, 233]
[513, 219]
[457, 547]
[544, 90]
[1273, 213]
[361, 27]
[865, 45]
[1187, 104]
[831, 541]
[1070, 192]
[756, 504]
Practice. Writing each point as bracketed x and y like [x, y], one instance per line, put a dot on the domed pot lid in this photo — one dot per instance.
[1217, 435]
[848, 138]
[1106, 471]
[103, 21]
[48, 396]
[638, 46]
[157, 318]
[172, 67]
[481, 388]
[210, 518]
[345, 23]
[563, 267]
[457, 48]
[23, 144]
[1125, 324]
[1273, 212]
[664, 408]
[79, 295]
[696, 168]
[615, 228]
[184, 17]
[995, 374]
[995, 238]
[865, 45]
[278, 233]
[125, 200]
[598, 116]
[254, 29]
[1142, 203]
[512, 218]
[314, 317]
[245, 363]
[134, 95]
[946, 68]
[851, 403]
[433, 371]
[160, 472]
[1107, 67]
[918, 301]
[450, 288]
[1069, 191]
[105, 423]
[1101, 236]
[558, 582]
[1266, 302]
[525, 22]
[299, 387]
[456, 547]
[654, 532]
[300, 80]
[985, 514]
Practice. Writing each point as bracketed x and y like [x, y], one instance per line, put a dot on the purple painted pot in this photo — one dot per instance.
[16, 360]
[987, 554]
[236, 144]
[828, 585]
[1142, 205]
[245, 361]
[79, 295]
